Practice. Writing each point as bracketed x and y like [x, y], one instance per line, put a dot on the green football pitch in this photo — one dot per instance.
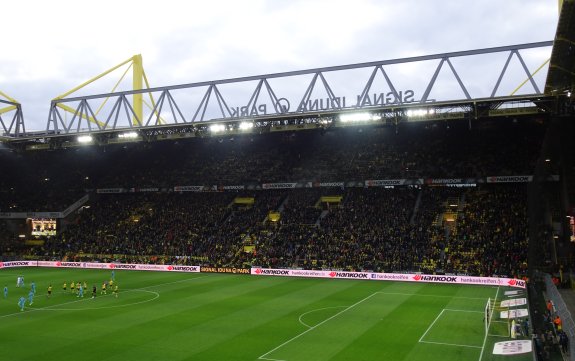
[177, 316]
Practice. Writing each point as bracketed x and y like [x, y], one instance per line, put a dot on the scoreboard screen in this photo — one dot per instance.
[42, 226]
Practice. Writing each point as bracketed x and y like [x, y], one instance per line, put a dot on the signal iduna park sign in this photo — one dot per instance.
[258, 271]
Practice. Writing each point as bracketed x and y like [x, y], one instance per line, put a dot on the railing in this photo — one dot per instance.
[568, 325]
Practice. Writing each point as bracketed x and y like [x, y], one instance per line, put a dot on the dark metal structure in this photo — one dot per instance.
[11, 117]
[300, 99]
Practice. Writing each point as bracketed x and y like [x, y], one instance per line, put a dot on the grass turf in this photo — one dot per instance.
[175, 316]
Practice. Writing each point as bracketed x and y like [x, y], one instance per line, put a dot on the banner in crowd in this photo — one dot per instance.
[110, 190]
[328, 184]
[510, 179]
[221, 188]
[190, 188]
[143, 190]
[278, 185]
[23, 215]
[447, 182]
[451, 181]
[387, 182]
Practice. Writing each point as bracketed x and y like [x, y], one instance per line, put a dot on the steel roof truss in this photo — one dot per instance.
[368, 85]
[173, 105]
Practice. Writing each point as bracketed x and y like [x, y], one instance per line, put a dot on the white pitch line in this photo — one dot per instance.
[430, 326]
[450, 344]
[488, 323]
[423, 295]
[317, 309]
[49, 308]
[262, 357]
[67, 303]
[450, 309]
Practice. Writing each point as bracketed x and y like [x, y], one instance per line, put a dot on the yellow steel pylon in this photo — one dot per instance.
[530, 77]
[10, 99]
[138, 80]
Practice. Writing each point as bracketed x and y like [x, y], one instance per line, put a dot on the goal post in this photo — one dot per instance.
[491, 319]
[487, 314]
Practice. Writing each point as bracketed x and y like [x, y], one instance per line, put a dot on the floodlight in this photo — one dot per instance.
[128, 135]
[357, 117]
[416, 112]
[216, 128]
[246, 125]
[85, 139]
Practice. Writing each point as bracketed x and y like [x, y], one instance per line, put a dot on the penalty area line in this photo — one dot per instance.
[449, 344]
[430, 326]
[263, 357]
[424, 295]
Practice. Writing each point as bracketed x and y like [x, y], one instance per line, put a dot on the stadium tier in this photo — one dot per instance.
[433, 197]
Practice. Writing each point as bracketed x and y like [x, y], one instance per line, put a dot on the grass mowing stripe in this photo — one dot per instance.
[428, 295]
[51, 307]
[431, 325]
[449, 344]
[270, 317]
[239, 318]
[262, 357]
[315, 310]
[449, 309]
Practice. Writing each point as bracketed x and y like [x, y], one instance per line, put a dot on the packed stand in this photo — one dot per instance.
[380, 229]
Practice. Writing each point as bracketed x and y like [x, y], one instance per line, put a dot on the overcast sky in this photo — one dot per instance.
[49, 47]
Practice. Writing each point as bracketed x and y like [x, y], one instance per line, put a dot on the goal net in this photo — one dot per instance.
[495, 326]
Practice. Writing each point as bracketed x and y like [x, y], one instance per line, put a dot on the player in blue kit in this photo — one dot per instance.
[30, 298]
[33, 287]
[80, 291]
[21, 303]
[5, 291]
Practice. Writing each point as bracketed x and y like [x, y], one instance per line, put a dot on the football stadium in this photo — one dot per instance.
[315, 219]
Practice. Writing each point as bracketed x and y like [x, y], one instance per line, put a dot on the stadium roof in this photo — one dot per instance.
[561, 75]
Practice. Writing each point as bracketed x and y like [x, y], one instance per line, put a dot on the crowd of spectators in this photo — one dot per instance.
[381, 229]
[52, 180]
[377, 229]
